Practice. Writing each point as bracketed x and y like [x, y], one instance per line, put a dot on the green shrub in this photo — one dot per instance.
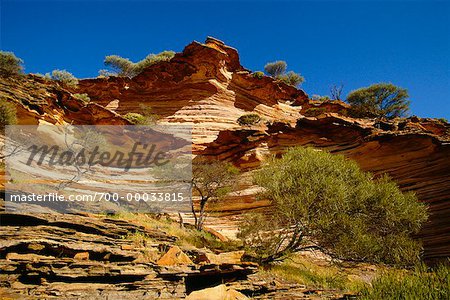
[325, 200]
[249, 119]
[135, 118]
[443, 120]
[320, 98]
[275, 68]
[379, 100]
[314, 111]
[10, 64]
[83, 97]
[126, 68]
[421, 284]
[65, 77]
[146, 118]
[258, 74]
[7, 114]
[291, 78]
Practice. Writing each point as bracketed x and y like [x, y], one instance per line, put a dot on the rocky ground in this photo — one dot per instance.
[78, 256]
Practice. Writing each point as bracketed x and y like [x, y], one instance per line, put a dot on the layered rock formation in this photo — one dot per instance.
[206, 86]
[53, 256]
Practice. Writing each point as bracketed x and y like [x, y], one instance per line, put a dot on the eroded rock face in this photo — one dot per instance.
[40, 100]
[206, 86]
[414, 156]
[53, 256]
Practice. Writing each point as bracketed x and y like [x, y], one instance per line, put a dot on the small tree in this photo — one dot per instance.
[211, 181]
[379, 100]
[336, 92]
[10, 64]
[292, 78]
[126, 68]
[275, 68]
[326, 202]
[65, 77]
[121, 66]
[7, 114]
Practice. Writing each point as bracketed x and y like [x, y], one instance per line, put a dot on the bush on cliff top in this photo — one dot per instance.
[258, 74]
[65, 77]
[10, 64]
[277, 69]
[126, 68]
[379, 100]
[325, 201]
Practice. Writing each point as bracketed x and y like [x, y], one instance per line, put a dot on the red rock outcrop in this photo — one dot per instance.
[206, 86]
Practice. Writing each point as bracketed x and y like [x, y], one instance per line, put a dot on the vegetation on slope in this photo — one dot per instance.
[379, 100]
[123, 67]
[277, 69]
[324, 201]
[10, 64]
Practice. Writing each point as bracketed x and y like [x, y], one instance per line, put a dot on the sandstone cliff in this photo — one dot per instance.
[206, 86]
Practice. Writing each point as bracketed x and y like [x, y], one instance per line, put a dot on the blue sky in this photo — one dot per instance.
[355, 43]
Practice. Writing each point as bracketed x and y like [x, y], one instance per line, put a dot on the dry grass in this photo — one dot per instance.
[318, 273]
[185, 236]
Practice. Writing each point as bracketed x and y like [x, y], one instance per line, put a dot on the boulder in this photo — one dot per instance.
[82, 256]
[233, 257]
[220, 292]
[174, 257]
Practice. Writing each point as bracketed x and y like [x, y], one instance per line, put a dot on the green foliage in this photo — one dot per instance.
[291, 78]
[258, 74]
[311, 275]
[320, 98]
[204, 239]
[83, 97]
[211, 181]
[314, 111]
[135, 118]
[328, 201]
[7, 114]
[146, 118]
[126, 68]
[277, 69]
[63, 76]
[379, 100]
[249, 119]
[421, 284]
[106, 73]
[443, 120]
[10, 64]
[139, 239]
